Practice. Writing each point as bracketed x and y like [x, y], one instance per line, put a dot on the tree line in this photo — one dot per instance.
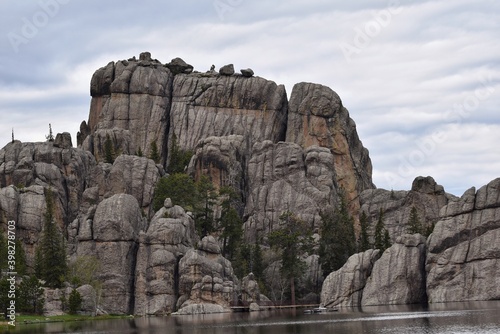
[51, 269]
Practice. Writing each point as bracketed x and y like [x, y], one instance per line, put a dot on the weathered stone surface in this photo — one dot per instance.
[398, 277]
[316, 117]
[209, 245]
[207, 105]
[222, 160]
[63, 140]
[205, 278]
[463, 261]
[135, 176]
[282, 177]
[53, 299]
[160, 249]
[133, 97]
[426, 196]
[89, 300]
[115, 230]
[344, 287]
[202, 309]
[65, 171]
[227, 70]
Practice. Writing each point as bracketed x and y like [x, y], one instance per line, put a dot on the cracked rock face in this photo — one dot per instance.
[463, 261]
[344, 287]
[398, 277]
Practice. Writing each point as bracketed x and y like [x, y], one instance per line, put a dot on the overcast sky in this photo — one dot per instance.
[421, 79]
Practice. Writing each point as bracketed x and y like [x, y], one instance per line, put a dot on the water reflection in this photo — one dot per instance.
[477, 317]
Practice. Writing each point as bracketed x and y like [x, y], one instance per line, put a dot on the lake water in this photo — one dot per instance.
[473, 317]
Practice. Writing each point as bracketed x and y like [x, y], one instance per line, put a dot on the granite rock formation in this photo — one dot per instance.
[398, 277]
[344, 287]
[463, 261]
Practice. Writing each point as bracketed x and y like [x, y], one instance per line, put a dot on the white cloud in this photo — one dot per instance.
[400, 88]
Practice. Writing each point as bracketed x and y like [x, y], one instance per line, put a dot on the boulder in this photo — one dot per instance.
[344, 287]
[178, 66]
[89, 300]
[398, 277]
[63, 140]
[247, 72]
[227, 70]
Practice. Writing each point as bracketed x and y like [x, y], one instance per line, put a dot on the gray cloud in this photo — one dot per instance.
[429, 67]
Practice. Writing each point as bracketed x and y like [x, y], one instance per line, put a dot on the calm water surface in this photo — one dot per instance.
[477, 317]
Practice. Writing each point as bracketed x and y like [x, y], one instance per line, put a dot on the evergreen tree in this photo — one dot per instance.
[258, 263]
[242, 263]
[3, 251]
[4, 296]
[338, 240]
[382, 239]
[50, 254]
[154, 154]
[230, 224]
[30, 296]
[139, 152]
[179, 159]
[414, 224]
[291, 240]
[50, 136]
[364, 241]
[75, 302]
[109, 150]
[203, 211]
[179, 187]
[20, 259]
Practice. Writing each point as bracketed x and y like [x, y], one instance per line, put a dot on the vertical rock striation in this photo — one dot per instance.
[463, 261]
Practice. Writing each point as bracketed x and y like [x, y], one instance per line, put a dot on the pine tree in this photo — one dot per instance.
[382, 239]
[178, 159]
[338, 240]
[109, 150]
[291, 240]
[50, 136]
[154, 154]
[30, 295]
[364, 241]
[20, 259]
[230, 224]
[139, 152]
[75, 302]
[50, 254]
[203, 211]
[179, 187]
[414, 224]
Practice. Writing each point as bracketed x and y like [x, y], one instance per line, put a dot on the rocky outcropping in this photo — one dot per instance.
[426, 196]
[277, 156]
[132, 99]
[169, 236]
[316, 116]
[285, 176]
[344, 287]
[398, 277]
[111, 236]
[206, 277]
[463, 261]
